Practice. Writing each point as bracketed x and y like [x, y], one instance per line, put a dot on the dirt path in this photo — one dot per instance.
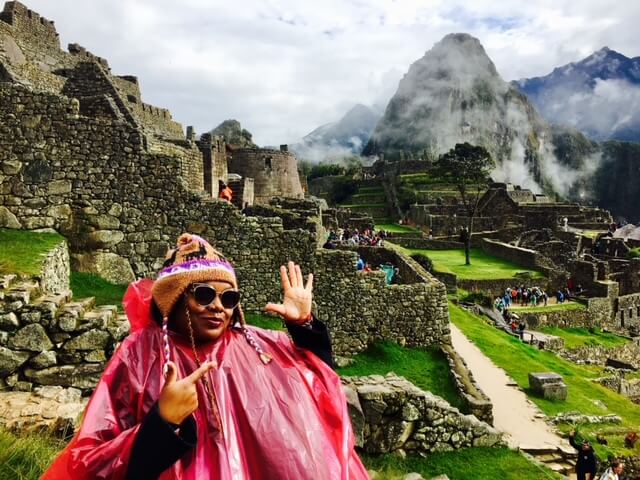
[513, 413]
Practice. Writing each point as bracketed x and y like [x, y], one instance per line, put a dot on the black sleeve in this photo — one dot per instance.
[157, 446]
[315, 339]
[572, 441]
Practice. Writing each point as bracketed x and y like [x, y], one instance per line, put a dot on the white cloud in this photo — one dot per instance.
[284, 67]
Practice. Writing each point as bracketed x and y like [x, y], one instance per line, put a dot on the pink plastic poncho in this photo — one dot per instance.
[284, 420]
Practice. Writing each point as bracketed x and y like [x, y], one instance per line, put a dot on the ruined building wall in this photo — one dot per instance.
[214, 156]
[93, 181]
[275, 172]
[30, 52]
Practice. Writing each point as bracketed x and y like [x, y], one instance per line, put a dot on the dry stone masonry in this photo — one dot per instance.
[390, 414]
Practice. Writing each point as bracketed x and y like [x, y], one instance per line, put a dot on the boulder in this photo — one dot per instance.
[32, 337]
[109, 266]
[549, 385]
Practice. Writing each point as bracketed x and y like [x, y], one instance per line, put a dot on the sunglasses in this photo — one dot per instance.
[204, 294]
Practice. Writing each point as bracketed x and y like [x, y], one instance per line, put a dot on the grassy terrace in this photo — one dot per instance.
[395, 228]
[585, 396]
[22, 251]
[577, 337]
[540, 308]
[426, 368]
[106, 293]
[483, 266]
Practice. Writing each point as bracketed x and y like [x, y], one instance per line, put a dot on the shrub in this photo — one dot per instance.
[425, 262]
[634, 252]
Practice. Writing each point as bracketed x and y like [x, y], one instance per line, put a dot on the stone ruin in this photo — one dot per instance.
[81, 154]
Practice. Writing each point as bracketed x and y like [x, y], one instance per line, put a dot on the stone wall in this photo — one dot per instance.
[628, 311]
[474, 399]
[54, 276]
[560, 318]
[360, 308]
[597, 355]
[122, 196]
[47, 340]
[390, 414]
[497, 287]
[521, 256]
[275, 172]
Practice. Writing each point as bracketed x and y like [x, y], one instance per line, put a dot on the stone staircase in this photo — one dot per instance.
[557, 459]
[49, 339]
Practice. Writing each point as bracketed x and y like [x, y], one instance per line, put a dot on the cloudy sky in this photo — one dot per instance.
[284, 67]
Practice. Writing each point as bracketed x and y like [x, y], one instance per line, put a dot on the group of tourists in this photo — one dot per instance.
[367, 237]
[523, 296]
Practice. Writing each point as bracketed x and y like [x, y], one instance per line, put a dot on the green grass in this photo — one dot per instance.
[395, 228]
[585, 396]
[577, 337]
[426, 368]
[634, 252]
[23, 251]
[465, 464]
[88, 285]
[483, 266]
[540, 308]
[264, 321]
[26, 458]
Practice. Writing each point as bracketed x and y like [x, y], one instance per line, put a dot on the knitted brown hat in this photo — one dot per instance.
[193, 260]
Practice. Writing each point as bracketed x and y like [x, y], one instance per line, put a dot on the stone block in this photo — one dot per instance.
[32, 338]
[44, 359]
[8, 219]
[555, 391]
[548, 385]
[91, 340]
[59, 187]
[9, 321]
[104, 238]
[84, 377]
[11, 360]
[109, 266]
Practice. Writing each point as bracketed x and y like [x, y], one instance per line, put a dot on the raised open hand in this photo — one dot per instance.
[296, 306]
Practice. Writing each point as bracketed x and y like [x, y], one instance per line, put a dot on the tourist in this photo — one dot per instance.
[226, 193]
[586, 464]
[194, 393]
[521, 328]
[559, 297]
[359, 263]
[613, 472]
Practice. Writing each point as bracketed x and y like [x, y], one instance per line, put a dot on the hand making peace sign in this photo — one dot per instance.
[296, 306]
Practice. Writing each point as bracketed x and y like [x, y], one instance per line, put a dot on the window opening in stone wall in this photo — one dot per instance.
[268, 163]
[638, 312]
[132, 98]
[630, 312]
[622, 318]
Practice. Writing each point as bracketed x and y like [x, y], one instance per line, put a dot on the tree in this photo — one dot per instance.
[467, 167]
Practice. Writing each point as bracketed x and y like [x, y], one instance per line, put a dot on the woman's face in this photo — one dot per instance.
[208, 321]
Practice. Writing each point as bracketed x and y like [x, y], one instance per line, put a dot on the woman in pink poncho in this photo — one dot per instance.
[194, 393]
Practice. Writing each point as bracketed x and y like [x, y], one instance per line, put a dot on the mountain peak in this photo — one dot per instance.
[607, 82]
